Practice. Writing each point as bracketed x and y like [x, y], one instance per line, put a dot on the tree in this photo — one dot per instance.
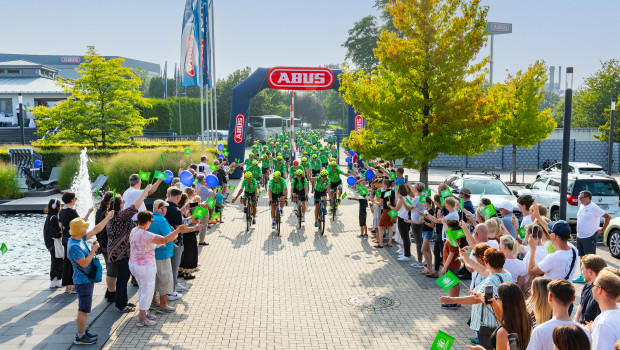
[425, 97]
[308, 109]
[103, 105]
[333, 105]
[156, 88]
[361, 42]
[589, 110]
[517, 100]
[550, 100]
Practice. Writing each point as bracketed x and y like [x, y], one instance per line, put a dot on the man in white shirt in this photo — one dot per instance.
[561, 296]
[562, 263]
[606, 326]
[588, 226]
[203, 167]
[134, 192]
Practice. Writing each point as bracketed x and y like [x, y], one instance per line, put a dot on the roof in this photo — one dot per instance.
[18, 63]
[29, 86]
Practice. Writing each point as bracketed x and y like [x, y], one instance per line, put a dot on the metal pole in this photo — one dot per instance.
[202, 118]
[176, 88]
[491, 64]
[206, 106]
[568, 100]
[213, 79]
[611, 137]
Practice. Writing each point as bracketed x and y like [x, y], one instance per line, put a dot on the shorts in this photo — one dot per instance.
[301, 195]
[163, 277]
[251, 195]
[85, 296]
[276, 196]
[315, 172]
[455, 272]
[265, 170]
[335, 185]
[363, 219]
[318, 195]
[586, 245]
[427, 235]
[110, 267]
[324, 165]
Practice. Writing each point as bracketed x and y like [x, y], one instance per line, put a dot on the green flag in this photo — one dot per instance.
[211, 202]
[231, 187]
[393, 213]
[213, 167]
[422, 199]
[219, 189]
[453, 235]
[446, 193]
[236, 160]
[363, 191]
[393, 176]
[443, 341]
[160, 175]
[96, 193]
[441, 201]
[188, 151]
[162, 157]
[484, 189]
[427, 192]
[488, 211]
[114, 193]
[144, 176]
[521, 232]
[215, 216]
[226, 153]
[408, 202]
[377, 193]
[388, 193]
[344, 195]
[3, 248]
[462, 203]
[447, 281]
[199, 212]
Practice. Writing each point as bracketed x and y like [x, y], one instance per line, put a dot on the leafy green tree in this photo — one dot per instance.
[594, 98]
[426, 96]
[550, 100]
[361, 42]
[308, 109]
[517, 101]
[156, 87]
[103, 105]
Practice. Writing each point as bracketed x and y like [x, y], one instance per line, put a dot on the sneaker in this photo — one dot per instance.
[401, 251]
[253, 221]
[154, 307]
[403, 258]
[579, 280]
[84, 340]
[360, 236]
[281, 212]
[175, 296]
[93, 336]
[180, 287]
[316, 224]
[303, 218]
[324, 211]
[166, 309]
[473, 340]
[72, 291]
[54, 284]
[146, 322]
[273, 224]
[449, 306]
[417, 264]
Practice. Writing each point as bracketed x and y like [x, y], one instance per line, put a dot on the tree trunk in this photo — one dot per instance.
[103, 139]
[424, 173]
[514, 164]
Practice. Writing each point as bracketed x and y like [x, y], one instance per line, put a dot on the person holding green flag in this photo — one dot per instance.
[248, 186]
[320, 193]
[335, 181]
[299, 189]
[277, 192]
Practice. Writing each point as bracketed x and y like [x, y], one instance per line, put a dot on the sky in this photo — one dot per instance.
[303, 33]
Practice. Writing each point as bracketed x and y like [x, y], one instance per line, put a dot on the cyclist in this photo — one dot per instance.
[299, 187]
[249, 160]
[334, 152]
[256, 173]
[249, 186]
[292, 171]
[280, 166]
[335, 181]
[320, 193]
[265, 164]
[323, 158]
[277, 191]
[305, 166]
[286, 154]
[315, 165]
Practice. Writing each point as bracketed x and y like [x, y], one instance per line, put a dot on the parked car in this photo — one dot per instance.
[611, 237]
[488, 184]
[220, 135]
[546, 190]
[574, 168]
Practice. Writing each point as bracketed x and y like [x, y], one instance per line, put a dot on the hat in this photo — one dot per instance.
[78, 226]
[505, 205]
[466, 191]
[561, 228]
[159, 204]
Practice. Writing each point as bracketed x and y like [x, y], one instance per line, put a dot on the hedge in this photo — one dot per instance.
[159, 109]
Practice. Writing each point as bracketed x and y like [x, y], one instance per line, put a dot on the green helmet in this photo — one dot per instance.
[276, 175]
[314, 156]
[314, 148]
[279, 157]
[277, 143]
[255, 162]
[248, 174]
[299, 172]
[332, 164]
[264, 146]
[251, 154]
[285, 146]
[324, 172]
[304, 159]
[279, 154]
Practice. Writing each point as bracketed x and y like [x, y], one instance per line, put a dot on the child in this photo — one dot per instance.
[427, 234]
[362, 215]
[451, 262]
[219, 206]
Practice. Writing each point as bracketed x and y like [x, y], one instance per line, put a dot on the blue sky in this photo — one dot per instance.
[298, 32]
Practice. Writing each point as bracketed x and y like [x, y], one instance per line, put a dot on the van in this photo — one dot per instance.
[266, 126]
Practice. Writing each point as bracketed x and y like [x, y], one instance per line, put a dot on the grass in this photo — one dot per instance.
[9, 187]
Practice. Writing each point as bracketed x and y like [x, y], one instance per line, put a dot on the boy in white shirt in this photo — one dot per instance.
[606, 326]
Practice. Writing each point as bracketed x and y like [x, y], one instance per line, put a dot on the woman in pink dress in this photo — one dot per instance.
[142, 262]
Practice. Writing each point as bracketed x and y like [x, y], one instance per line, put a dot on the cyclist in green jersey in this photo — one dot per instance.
[334, 152]
[323, 158]
[277, 191]
[315, 166]
[280, 166]
[335, 181]
[256, 172]
[320, 193]
[299, 189]
[292, 171]
[249, 160]
[286, 154]
[265, 164]
[249, 186]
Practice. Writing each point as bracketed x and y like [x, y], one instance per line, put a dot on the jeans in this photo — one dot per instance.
[56, 266]
[122, 277]
[417, 237]
[67, 268]
[437, 249]
[403, 229]
[177, 252]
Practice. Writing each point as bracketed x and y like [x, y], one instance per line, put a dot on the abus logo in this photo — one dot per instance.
[189, 56]
[70, 59]
[294, 78]
[239, 126]
[500, 27]
[359, 122]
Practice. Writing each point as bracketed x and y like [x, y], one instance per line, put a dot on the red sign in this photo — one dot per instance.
[70, 59]
[239, 126]
[359, 122]
[189, 56]
[295, 78]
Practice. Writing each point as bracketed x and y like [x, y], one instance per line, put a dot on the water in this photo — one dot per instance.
[82, 188]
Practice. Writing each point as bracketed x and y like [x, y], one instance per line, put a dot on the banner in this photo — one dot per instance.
[189, 44]
[205, 47]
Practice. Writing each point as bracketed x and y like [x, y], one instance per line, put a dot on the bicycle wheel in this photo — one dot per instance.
[248, 218]
[334, 208]
[278, 222]
[298, 212]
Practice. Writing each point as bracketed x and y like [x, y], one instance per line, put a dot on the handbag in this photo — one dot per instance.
[59, 249]
[95, 275]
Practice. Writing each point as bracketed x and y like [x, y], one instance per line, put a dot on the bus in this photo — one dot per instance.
[266, 126]
[286, 124]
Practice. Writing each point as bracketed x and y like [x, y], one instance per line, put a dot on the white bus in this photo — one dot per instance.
[286, 124]
[266, 126]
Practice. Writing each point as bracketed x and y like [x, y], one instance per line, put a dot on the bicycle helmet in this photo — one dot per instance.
[323, 172]
[251, 154]
[296, 162]
[332, 164]
[277, 143]
[314, 148]
[255, 162]
[304, 159]
[248, 175]
[279, 154]
[314, 156]
[285, 146]
[299, 172]
[276, 175]
[279, 158]
[264, 146]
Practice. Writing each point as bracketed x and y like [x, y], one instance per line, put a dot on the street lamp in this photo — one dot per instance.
[21, 115]
[568, 100]
[611, 136]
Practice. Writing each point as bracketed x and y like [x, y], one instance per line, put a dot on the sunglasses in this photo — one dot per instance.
[598, 286]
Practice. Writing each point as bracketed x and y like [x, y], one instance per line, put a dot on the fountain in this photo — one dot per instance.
[82, 188]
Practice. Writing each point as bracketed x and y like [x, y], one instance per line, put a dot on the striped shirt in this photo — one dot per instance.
[488, 318]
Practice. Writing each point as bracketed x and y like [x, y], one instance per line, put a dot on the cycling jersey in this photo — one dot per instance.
[323, 157]
[315, 164]
[292, 170]
[256, 171]
[265, 163]
[280, 167]
[249, 187]
[248, 162]
[298, 184]
[321, 186]
[334, 175]
[277, 187]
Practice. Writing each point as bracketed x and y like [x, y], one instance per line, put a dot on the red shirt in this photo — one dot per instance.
[449, 248]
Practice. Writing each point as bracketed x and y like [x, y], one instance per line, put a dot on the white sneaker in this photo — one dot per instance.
[175, 296]
[55, 283]
[401, 251]
[181, 288]
[303, 218]
[403, 258]
[418, 264]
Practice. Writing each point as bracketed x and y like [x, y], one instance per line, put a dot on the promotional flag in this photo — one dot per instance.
[377, 193]
[3, 248]
[114, 193]
[160, 175]
[443, 341]
[188, 151]
[427, 192]
[231, 187]
[199, 212]
[213, 167]
[190, 35]
[447, 281]
[521, 232]
[393, 213]
[215, 216]
[344, 195]
[422, 199]
[205, 44]
[165, 80]
[144, 176]
[462, 203]
[162, 158]
[363, 191]
[453, 235]
[408, 202]
[388, 193]
[446, 193]
[210, 202]
[393, 176]
[96, 193]
[441, 201]
[489, 211]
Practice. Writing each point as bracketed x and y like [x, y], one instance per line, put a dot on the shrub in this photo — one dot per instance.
[158, 109]
[9, 186]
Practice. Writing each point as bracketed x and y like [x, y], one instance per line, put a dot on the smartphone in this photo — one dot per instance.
[535, 232]
[513, 341]
[193, 205]
[488, 294]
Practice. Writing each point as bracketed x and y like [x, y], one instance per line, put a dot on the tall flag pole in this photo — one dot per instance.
[213, 80]
[176, 94]
[292, 120]
[190, 66]
[204, 37]
[165, 80]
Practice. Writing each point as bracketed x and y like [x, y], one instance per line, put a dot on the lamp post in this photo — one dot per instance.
[611, 136]
[21, 116]
[568, 100]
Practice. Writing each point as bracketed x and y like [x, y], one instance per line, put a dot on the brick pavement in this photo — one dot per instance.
[259, 291]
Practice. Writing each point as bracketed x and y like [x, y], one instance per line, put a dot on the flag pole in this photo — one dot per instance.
[202, 121]
[212, 66]
[176, 94]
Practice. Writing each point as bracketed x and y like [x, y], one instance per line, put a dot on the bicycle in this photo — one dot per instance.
[297, 210]
[321, 218]
[334, 203]
[248, 213]
[278, 216]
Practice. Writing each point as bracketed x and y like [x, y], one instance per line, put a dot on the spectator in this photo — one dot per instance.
[514, 266]
[435, 219]
[588, 309]
[525, 202]
[204, 192]
[363, 204]
[403, 217]
[606, 326]
[417, 222]
[538, 305]
[570, 337]
[493, 228]
[388, 197]
[539, 254]
[467, 204]
[588, 226]
[52, 233]
[451, 262]
[563, 262]
[175, 219]
[400, 177]
[66, 215]
[561, 296]
[102, 238]
[131, 195]
[481, 235]
[546, 164]
[189, 260]
[505, 209]
[427, 235]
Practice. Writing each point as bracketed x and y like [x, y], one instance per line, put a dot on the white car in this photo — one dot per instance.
[573, 168]
[546, 190]
[487, 186]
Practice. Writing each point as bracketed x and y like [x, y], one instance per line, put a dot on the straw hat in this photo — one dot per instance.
[78, 226]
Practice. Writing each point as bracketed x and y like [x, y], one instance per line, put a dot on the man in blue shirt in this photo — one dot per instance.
[81, 258]
[467, 204]
[400, 179]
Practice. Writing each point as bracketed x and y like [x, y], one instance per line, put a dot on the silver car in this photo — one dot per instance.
[573, 168]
